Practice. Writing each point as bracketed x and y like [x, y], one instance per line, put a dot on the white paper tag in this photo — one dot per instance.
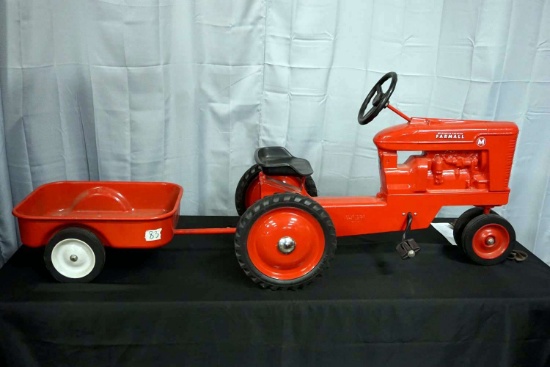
[446, 230]
[153, 234]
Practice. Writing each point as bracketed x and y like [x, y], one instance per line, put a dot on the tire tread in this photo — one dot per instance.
[276, 201]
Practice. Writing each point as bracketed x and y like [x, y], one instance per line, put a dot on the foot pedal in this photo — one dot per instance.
[407, 249]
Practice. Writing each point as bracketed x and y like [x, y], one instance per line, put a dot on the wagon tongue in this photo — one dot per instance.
[408, 247]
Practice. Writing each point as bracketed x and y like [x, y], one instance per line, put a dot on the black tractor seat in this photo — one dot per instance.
[278, 161]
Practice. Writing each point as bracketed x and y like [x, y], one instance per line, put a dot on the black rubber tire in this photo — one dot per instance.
[249, 176]
[462, 221]
[277, 201]
[477, 223]
[83, 235]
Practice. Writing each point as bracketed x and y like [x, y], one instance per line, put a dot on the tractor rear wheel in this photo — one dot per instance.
[248, 189]
[488, 239]
[284, 241]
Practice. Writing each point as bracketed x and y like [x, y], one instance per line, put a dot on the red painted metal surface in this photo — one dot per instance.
[265, 185]
[121, 214]
[297, 224]
[491, 241]
[487, 147]
[270, 185]
[401, 114]
[461, 163]
[226, 230]
[385, 213]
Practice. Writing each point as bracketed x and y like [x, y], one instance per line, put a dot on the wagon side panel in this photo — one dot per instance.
[133, 234]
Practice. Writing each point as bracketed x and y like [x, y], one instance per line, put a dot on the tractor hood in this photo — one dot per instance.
[430, 134]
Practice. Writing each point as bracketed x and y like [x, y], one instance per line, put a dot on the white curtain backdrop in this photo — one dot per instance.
[186, 90]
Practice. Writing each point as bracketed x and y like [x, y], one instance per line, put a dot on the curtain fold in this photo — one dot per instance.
[8, 229]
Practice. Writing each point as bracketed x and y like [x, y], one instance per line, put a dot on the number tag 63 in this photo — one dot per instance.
[153, 234]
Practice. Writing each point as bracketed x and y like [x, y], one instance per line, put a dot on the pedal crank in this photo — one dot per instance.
[408, 247]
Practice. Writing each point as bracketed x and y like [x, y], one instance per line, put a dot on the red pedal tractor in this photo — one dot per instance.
[287, 235]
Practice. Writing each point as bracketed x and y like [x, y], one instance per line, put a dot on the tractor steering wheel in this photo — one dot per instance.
[380, 101]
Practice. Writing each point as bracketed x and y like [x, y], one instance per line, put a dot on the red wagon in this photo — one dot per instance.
[77, 219]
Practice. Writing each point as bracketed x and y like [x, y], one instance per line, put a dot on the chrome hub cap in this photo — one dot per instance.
[490, 241]
[286, 245]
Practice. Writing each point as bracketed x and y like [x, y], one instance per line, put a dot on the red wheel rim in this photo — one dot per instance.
[490, 241]
[298, 225]
[253, 192]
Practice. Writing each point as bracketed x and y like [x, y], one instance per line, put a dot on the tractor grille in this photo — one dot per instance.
[509, 160]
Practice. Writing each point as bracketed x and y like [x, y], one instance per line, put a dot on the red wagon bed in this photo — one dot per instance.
[120, 214]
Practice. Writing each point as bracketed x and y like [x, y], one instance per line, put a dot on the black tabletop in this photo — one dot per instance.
[189, 303]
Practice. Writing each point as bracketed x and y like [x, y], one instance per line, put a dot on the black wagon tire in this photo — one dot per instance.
[284, 241]
[463, 220]
[74, 255]
[249, 180]
[488, 239]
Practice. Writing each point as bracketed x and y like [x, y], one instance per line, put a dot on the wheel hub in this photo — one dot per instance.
[73, 258]
[490, 241]
[286, 244]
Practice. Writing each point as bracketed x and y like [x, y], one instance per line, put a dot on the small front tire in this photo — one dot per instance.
[463, 220]
[488, 239]
[74, 255]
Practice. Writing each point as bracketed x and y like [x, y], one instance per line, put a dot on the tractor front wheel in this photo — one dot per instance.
[463, 220]
[284, 241]
[488, 239]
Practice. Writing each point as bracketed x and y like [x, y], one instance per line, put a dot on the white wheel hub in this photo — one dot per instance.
[73, 258]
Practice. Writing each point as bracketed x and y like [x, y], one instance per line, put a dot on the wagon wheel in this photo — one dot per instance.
[488, 239]
[463, 220]
[74, 255]
[284, 241]
[248, 189]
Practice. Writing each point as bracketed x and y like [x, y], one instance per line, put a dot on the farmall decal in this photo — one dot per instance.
[452, 136]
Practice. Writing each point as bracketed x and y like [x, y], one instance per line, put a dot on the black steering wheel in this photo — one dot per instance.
[380, 101]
